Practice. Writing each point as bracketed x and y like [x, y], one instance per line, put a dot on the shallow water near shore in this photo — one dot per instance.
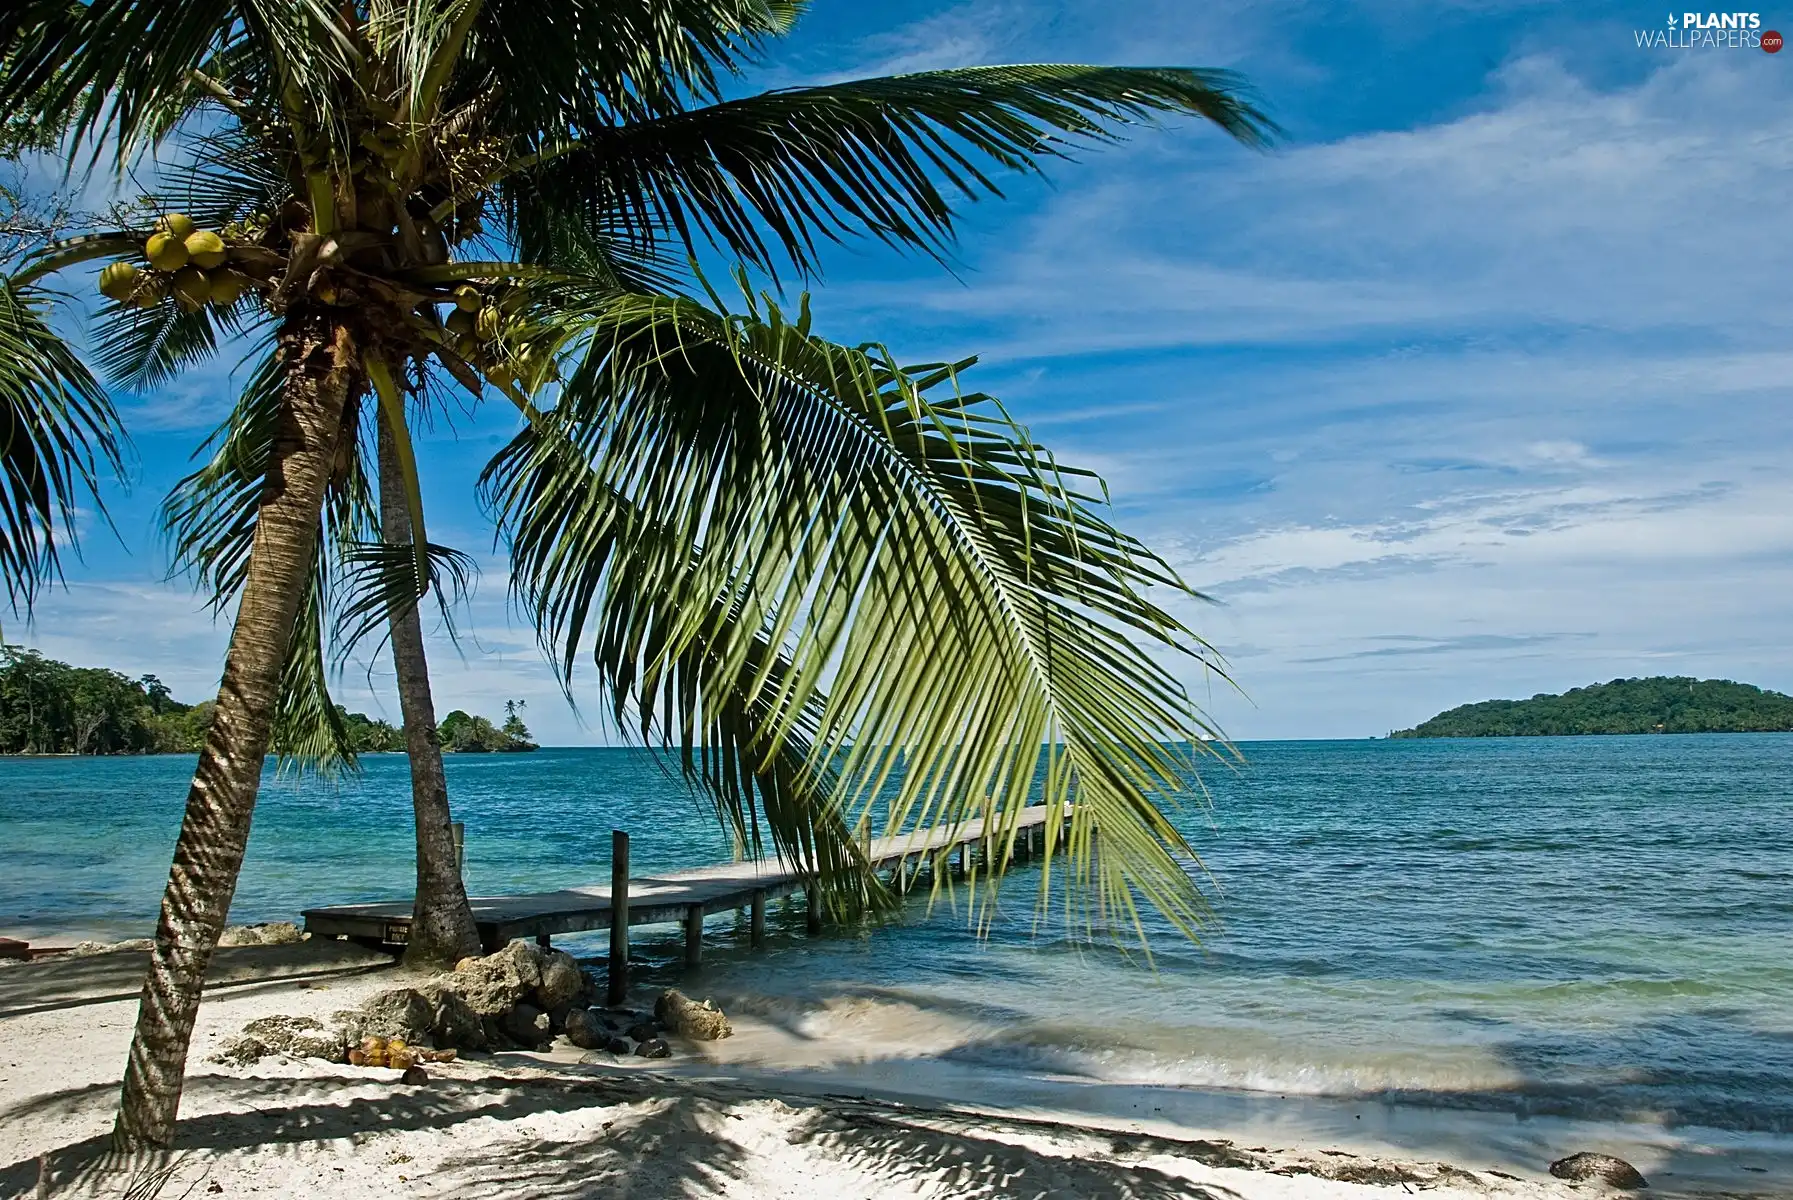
[1542, 930]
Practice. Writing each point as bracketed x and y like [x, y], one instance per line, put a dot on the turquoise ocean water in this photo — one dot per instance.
[1595, 928]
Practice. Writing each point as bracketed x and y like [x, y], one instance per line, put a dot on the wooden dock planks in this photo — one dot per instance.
[657, 899]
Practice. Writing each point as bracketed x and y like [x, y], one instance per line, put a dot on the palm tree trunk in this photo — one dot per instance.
[322, 371]
[442, 929]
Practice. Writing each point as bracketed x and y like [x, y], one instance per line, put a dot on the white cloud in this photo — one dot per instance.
[1631, 211]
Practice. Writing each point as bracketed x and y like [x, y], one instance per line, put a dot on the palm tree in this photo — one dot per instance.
[804, 568]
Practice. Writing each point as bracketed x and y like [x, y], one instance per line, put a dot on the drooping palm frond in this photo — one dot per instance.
[377, 579]
[309, 731]
[878, 156]
[126, 67]
[59, 435]
[208, 517]
[953, 618]
[233, 176]
[572, 65]
[142, 349]
[585, 539]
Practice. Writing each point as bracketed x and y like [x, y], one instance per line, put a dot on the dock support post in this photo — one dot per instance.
[694, 934]
[458, 832]
[813, 900]
[757, 923]
[619, 918]
[544, 941]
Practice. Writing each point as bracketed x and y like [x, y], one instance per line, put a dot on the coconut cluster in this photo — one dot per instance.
[484, 326]
[185, 261]
[395, 1052]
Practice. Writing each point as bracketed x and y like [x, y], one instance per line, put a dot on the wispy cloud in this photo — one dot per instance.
[1409, 646]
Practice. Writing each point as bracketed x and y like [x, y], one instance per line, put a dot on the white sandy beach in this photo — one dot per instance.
[752, 1116]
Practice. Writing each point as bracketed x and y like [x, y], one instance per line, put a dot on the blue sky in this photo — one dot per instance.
[1477, 385]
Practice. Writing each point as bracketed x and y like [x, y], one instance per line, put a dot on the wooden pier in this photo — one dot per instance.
[683, 897]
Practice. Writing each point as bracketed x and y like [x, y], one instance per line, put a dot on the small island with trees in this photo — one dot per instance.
[1660, 704]
[50, 707]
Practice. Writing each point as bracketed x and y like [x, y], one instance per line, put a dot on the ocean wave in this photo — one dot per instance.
[1751, 1102]
[1536, 1079]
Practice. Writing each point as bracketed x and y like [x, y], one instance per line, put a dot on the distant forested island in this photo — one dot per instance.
[1660, 704]
[50, 707]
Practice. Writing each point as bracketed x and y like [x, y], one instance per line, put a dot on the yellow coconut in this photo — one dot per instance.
[191, 288]
[467, 298]
[465, 346]
[205, 248]
[177, 224]
[460, 321]
[325, 293]
[118, 281]
[227, 287]
[488, 323]
[165, 252]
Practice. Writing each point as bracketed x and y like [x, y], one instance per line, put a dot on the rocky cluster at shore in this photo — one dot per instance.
[520, 998]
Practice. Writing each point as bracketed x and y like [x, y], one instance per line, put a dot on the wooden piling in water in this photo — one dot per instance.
[812, 896]
[619, 918]
[756, 926]
[694, 935]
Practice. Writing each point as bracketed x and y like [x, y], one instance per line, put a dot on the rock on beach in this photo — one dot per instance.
[679, 1014]
[1604, 1167]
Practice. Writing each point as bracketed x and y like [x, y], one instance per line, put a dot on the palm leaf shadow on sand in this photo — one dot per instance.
[657, 1140]
[962, 1164]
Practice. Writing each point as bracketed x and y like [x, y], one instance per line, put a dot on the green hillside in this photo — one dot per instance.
[1661, 704]
[50, 707]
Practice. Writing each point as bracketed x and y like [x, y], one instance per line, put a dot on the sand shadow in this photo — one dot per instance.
[965, 1164]
[72, 982]
[664, 1139]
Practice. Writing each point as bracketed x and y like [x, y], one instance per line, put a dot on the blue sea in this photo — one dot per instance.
[1595, 929]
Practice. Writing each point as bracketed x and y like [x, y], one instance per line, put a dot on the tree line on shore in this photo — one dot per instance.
[51, 707]
[1659, 704]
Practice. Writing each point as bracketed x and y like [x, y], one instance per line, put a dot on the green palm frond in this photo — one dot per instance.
[878, 156]
[377, 579]
[145, 348]
[956, 617]
[577, 64]
[309, 731]
[126, 67]
[585, 539]
[209, 516]
[59, 435]
[232, 177]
